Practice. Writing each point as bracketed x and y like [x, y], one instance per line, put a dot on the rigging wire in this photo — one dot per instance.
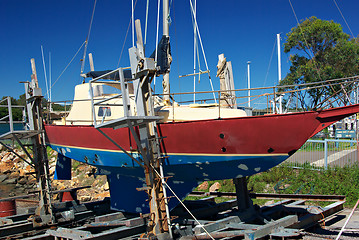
[193, 14]
[68, 65]
[87, 38]
[124, 42]
[50, 79]
[180, 201]
[270, 63]
[147, 6]
[43, 64]
[203, 52]
[311, 54]
[343, 18]
[176, 47]
[267, 73]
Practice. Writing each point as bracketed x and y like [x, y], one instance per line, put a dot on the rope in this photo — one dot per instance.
[88, 37]
[343, 18]
[174, 194]
[204, 54]
[68, 64]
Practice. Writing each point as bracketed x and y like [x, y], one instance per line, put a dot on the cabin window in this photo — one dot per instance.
[103, 90]
[104, 111]
[109, 90]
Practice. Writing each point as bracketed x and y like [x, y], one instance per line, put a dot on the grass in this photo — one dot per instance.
[285, 179]
[332, 146]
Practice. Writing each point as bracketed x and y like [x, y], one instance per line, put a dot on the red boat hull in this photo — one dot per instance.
[197, 150]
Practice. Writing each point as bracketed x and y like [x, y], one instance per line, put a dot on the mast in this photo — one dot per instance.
[279, 60]
[279, 73]
[249, 84]
[166, 76]
[194, 52]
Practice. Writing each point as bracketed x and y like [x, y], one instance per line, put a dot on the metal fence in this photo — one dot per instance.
[321, 154]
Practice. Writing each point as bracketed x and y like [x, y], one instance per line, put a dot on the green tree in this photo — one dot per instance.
[320, 51]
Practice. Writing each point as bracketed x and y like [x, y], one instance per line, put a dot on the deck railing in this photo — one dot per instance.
[9, 119]
[277, 99]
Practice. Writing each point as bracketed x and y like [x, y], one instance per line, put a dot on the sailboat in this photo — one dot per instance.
[197, 142]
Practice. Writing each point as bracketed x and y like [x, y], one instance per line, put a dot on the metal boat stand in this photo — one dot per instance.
[287, 218]
[94, 220]
[147, 140]
[38, 158]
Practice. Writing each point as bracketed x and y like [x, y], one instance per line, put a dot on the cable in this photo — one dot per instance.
[270, 62]
[87, 38]
[174, 194]
[204, 54]
[343, 18]
[68, 64]
[305, 40]
[311, 54]
[147, 6]
[124, 42]
[176, 50]
[43, 64]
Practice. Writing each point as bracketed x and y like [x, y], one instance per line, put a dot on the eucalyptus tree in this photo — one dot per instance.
[320, 50]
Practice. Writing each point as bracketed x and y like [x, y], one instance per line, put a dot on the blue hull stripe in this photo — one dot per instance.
[186, 172]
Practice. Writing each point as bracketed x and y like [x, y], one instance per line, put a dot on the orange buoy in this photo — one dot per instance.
[7, 208]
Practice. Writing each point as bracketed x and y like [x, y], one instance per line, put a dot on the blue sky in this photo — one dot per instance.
[242, 30]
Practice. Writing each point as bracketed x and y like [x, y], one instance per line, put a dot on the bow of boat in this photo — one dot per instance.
[332, 115]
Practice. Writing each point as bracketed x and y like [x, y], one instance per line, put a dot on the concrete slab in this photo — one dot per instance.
[339, 219]
[330, 229]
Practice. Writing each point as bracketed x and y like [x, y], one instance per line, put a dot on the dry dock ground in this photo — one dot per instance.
[333, 225]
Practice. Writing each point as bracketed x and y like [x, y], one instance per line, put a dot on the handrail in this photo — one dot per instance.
[273, 92]
[238, 90]
[263, 88]
[9, 116]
